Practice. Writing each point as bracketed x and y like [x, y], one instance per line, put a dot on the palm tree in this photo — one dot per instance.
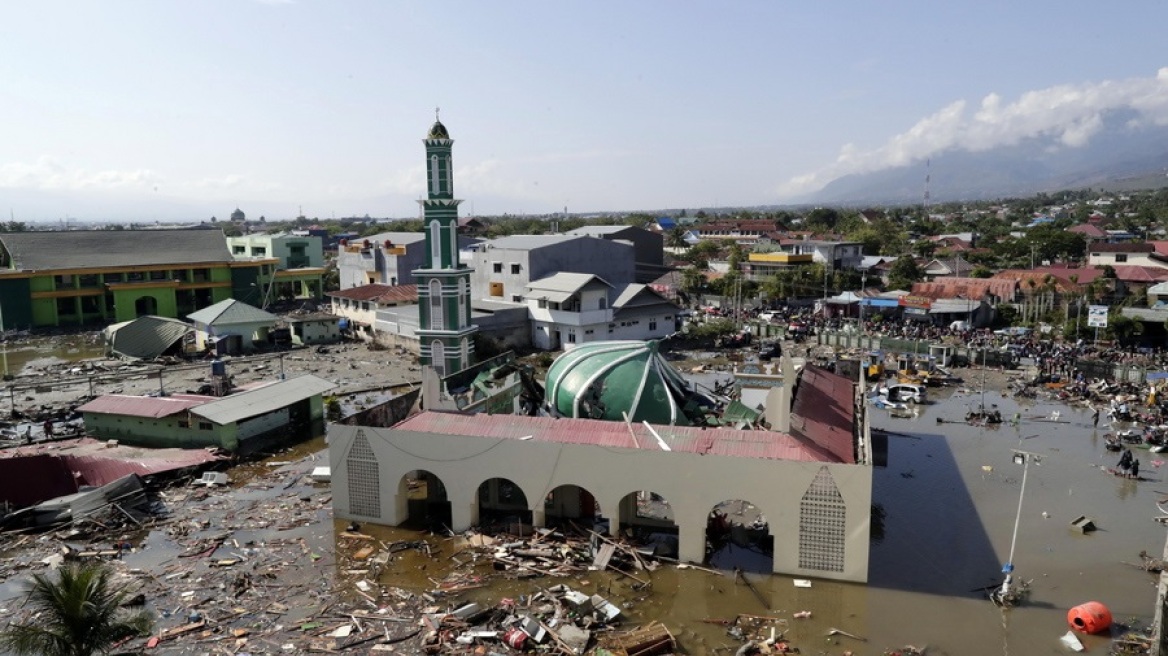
[76, 613]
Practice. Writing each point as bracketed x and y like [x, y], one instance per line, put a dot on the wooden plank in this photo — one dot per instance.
[603, 555]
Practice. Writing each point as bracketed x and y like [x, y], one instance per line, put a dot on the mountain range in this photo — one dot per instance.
[1121, 155]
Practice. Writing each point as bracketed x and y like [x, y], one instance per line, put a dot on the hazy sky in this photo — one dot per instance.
[184, 110]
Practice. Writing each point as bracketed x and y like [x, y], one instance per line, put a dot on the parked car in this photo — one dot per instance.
[768, 350]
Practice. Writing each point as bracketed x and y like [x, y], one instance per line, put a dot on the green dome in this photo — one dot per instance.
[438, 131]
[604, 380]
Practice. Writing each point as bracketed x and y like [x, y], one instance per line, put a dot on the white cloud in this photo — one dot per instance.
[1062, 116]
[48, 174]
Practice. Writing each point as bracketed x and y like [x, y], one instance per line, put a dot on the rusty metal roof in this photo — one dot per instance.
[1122, 247]
[769, 445]
[145, 406]
[824, 412]
[971, 288]
[379, 293]
[58, 468]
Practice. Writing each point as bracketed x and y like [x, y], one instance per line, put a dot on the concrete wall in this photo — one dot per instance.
[610, 260]
[161, 432]
[692, 484]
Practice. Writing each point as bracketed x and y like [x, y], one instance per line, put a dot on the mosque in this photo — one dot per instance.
[619, 440]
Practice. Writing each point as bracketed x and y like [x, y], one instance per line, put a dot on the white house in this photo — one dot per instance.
[231, 326]
[572, 308]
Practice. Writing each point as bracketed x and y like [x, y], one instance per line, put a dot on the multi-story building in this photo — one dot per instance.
[648, 247]
[299, 268]
[567, 309]
[102, 276]
[505, 267]
[388, 258]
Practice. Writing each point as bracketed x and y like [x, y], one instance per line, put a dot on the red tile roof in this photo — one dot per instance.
[1139, 274]
[1089, 230]
[145, 406]
[379, 293]
[1160, 246]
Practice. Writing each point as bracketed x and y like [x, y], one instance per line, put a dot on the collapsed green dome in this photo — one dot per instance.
[604, 380]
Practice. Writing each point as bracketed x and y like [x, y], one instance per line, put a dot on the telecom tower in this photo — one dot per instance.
[445, 329]
[928, 179]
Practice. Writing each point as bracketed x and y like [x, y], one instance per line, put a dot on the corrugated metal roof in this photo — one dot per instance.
[528, 242]
[144, 406]
[565, 282]
[145, 337]
[598, 230]
[379, 293]
[973, 288]
[263, 400]
[824, 412]
[613, 434]
[1122, 247]
[93, 462]
[231, 311]
[397, 238]
[83, 249]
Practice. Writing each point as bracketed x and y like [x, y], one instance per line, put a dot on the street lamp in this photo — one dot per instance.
[1006, 596]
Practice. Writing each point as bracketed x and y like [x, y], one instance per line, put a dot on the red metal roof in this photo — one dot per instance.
[824, 412]
[48, 470]
[380, 293]
[688, 439]
[144, 406]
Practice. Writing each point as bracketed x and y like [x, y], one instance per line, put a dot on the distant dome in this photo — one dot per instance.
[438, 131]
[604, 380]
[238, 215]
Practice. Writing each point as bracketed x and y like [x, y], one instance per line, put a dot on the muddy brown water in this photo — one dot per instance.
[949, 493]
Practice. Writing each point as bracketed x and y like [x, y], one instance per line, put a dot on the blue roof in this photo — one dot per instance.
[666, 223]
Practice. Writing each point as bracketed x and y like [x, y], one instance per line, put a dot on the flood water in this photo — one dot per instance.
[949, 494]
[16, 354]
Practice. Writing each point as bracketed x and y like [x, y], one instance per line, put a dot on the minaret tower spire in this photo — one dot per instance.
[445, 330]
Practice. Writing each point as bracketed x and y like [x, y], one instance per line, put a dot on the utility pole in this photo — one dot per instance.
[1006, 596]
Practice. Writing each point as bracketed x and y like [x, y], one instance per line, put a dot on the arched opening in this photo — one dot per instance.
[146, 305]
[426, 503]
[572, 508]
[738, 536]
[648, 518]
[503, 507]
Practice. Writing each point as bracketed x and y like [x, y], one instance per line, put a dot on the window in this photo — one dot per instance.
[463, 295]
[364, 478]
[437, 321]
[1121, 257]
[158, 275]
[438, 357]
[113, 277]
[435, 244]
[205, 425]
[364, 305]
[63, 282]
[180, 274]
[515, 268]
[588, 332]
[653, 324]
[183, 423]
[603, 304]
[88, 280]
[543, 303]
[259, 251]
[822, 525]
[239, 250]
[66, 306]
[497, 267]
[515, 298]
[571, 336]
[434, 175]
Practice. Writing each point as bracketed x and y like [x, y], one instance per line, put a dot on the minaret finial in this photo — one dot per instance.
[436, 113]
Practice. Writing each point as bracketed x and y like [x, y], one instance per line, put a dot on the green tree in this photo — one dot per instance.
[77, 612]
[904, 273]
[676, 238]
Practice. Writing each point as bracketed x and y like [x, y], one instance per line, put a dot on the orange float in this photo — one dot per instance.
[1091, 617]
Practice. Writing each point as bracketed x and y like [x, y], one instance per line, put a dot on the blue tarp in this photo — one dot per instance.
[880, 302]
[1158, 375]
